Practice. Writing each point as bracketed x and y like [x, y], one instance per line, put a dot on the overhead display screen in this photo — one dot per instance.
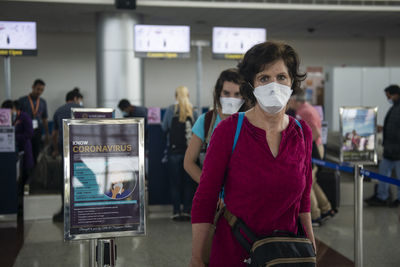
[18, 38]
[232, 43]
[161, 41]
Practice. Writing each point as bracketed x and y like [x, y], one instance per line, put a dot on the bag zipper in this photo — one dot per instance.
[279, 239]
[290, 260]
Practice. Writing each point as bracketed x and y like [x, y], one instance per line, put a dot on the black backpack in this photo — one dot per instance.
[179, 134]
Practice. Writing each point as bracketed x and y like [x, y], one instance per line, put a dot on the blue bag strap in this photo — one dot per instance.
[238, 128]
[298, 123]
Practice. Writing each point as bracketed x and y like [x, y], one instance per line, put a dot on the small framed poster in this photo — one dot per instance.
[358, 135]
[92, 113]
[5, 117]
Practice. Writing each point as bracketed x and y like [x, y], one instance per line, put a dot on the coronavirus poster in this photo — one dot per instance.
[104, 178]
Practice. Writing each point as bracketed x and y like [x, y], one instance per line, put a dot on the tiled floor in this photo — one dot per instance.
[169, 243]
[38, 243]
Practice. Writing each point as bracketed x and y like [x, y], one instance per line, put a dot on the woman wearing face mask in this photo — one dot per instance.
[23, 136]
[267, 177]
[227, 101]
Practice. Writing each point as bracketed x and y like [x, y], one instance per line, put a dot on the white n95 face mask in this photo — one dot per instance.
[272, 97]
[230, 105]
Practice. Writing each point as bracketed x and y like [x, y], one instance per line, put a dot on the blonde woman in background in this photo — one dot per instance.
[177, 124]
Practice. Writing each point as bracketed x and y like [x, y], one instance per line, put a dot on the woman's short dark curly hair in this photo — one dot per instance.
[263, 54]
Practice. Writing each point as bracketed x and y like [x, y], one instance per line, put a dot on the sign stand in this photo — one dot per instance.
[358, 147]
[104, 171]
[358, 216]
[7, 76]
[92, 252]
[106, 252]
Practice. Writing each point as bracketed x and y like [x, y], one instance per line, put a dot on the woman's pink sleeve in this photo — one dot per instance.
[305, 205]
[213, 173]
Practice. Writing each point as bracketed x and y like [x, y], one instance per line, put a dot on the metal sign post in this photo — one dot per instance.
[199, 44]
[358, 146]
[92, 252]
[106, 253]
[103, 172]
[358, 216]
[7, 77]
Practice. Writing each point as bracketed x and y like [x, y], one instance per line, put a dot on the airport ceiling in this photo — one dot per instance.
[64, 17]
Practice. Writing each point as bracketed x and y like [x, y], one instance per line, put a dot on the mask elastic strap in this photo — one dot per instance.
[251, 85]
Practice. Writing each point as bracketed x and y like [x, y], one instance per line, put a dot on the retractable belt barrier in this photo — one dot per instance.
[350, 169]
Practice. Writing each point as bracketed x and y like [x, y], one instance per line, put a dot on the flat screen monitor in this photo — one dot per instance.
[232, 43]
[162, 41]
[18, 38]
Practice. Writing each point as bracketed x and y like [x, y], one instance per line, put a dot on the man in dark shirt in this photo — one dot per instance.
[36, 108]
[130, 111]
[391, 149]
[73, 99]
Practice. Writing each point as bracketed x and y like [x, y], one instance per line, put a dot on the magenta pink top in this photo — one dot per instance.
[267, 193]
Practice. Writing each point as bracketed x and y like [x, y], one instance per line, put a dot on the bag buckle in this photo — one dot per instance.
[247, 261]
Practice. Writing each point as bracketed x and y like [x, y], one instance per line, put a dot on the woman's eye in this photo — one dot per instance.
[281, 77]
[263, 79]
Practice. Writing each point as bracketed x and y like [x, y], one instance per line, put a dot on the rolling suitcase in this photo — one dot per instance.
[329, 181]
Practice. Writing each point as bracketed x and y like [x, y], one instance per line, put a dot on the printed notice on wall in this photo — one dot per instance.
[106, 181]
[7, 139]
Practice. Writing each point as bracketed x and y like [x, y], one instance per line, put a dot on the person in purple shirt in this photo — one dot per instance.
[23, 136]
[36, 107]
[267, 178]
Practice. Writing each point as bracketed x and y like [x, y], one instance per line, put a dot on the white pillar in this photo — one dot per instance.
[119, 73]
[7, 77]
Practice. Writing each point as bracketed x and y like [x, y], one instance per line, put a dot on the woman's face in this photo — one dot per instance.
[231, 89]
[274, 72]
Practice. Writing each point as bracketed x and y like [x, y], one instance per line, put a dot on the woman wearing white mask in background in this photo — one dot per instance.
[267, 177]
[227, 101]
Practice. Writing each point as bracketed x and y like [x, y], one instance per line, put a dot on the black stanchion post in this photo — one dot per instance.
[106, 253]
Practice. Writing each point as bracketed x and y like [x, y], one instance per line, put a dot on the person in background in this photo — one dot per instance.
[79, 99]
[267, 178]
[391, 150]
[73, 100]
[131, 111]
[177, 124]
[36, 108]
[23, 136]
[321, 208]
[227, 101]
